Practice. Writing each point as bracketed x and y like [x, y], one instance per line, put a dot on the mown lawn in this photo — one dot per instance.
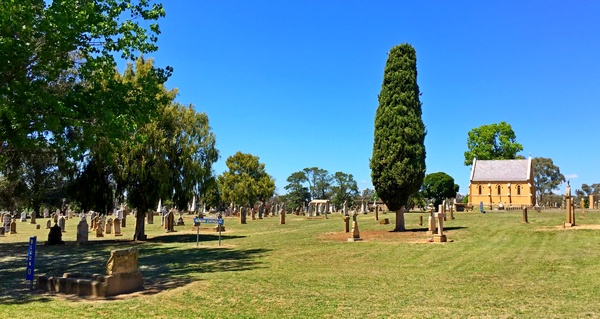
[495, 267]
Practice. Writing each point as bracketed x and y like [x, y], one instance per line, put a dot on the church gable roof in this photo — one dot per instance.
[500, 170]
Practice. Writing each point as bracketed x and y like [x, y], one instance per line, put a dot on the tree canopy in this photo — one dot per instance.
[344, 189]
[439, 186]
[398, 161]
[297, 193]
[492, 142]
[546, 176]
[58, 85]
[247, 181]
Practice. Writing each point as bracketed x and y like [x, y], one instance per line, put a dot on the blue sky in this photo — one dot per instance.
[296, 82]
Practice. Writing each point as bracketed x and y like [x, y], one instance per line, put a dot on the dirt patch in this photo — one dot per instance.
[409, 237]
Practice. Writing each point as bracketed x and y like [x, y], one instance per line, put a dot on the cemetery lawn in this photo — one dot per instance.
[496, 267]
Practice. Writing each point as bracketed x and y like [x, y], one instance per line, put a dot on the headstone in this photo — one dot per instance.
[345, 208]
[1, 231]
[569, 214]
[23, 216]
[180, 220]
[70, 214]
[124, 220]
[13, 227]
[525, 215]
[48, 224]
[55, 236]
[355, 232]
[439, 237]
[310, 210]
[82, 231]
[169, 225]
[150, 217]
[431, 226]
[102, 222]
[347, 223]
[117, 227]
[46, 213]
[99, 232]
[6, 220]
[253, 213]
[582, 208]
[282, 218]
[261, 210]
[32, 221]
[243, 215]
[109, 226]
[61, 223]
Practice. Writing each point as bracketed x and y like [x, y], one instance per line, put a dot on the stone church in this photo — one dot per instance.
[502, 183]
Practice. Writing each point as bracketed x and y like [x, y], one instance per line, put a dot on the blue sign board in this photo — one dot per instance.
[208, 221]
[31, 258]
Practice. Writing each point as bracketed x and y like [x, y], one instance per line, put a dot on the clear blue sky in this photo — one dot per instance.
[296, 82]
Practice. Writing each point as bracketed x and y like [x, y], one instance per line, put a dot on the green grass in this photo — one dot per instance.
[496, 267]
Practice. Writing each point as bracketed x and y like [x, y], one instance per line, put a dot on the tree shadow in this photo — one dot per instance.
[163, 266]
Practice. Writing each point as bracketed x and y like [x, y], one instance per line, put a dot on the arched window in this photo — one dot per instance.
[479, 189]
[499, 189]
[518, 189]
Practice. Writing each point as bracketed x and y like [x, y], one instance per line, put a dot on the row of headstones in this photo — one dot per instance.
[99, 224]
[9, 225]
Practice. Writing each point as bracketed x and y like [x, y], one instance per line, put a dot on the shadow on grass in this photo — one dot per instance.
[163, 265]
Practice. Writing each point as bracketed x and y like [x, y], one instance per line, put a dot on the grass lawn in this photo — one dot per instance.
[495, 267]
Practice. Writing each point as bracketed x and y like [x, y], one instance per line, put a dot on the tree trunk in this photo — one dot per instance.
[400, 220]
[140, 226]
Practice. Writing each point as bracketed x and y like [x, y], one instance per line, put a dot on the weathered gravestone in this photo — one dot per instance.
[82, 231]
[13, 227]
[109, 226]
[150, 218]
[61, 223]
[23, 216]
[117, 226]
[243, 215]
[46, 213]
[48, 224]
[55, 236]
[282, 218]
[6, 220]
[355, 232]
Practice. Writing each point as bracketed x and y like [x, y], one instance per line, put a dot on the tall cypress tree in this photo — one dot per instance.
[398, 161]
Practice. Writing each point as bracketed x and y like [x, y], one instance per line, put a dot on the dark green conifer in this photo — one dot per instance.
[398, 161]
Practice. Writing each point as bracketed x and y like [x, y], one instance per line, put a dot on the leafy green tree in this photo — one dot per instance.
[297, 193]
[593, 189]
[168, 158]
[58, 85]
[438, 186]
[398, 161]
[319, 182]
[212, 196]
[546, 176]
[492, 142]
[368, 194]
[344, 189]
[247, 181]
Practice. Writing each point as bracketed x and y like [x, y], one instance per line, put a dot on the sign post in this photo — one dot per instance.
[197, 221]
[31, 260]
